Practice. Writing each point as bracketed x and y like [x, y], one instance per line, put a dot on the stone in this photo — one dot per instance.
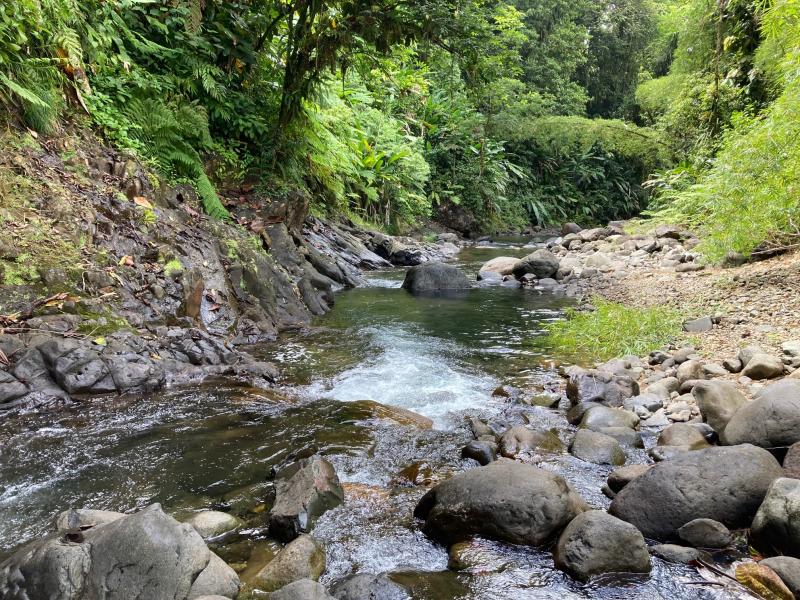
[540, 263]
[576, 412]
[763, 366]
[678, 554]
[304, 490]
[726, 484]
[11, 388]
[505, 501]
[690, 370]
[434, 276]
[791, 462]
[520, 439]
[732, 365]
[600, 386]
[211, 523]
[595, 543]
[771, 420]
[598, 417]
[624, 435]
[698, 325]
[217, 579]
[658, 419]
[689, 267]
[718, 401]
[664, 387]
[598, 259]
[788, 569]
[568, 228]
[684, 436]
[502, 265]
[791, 348]
[482, 452]
[651, 402]
[597, 448]
[776, 526]
[714, 370]
[365, 586]
[83, 518]
[622, 476]
[705, 533]
[162, 559]
[746, 353]
[304, 589]
[302, 558]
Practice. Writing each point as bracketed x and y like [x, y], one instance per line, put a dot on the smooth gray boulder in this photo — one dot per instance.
[302, 558]
[505, 501]
[217, 579]
[598, 417]
[678, 554]
[502, 265]
[718, 401]
[520, 439]
[597, 448]
[705, 533]
[748, 352]
[434, 276]
[540, 263]
[211, 523]
[776, 526]
[595, 385]
[726, 484]
[84, 518]
[595, 543]
[365, 586]
[305, 589]
[304, 491]
[622, 476]
[683, 436]
[144, 555]
[771, 420]
[480, 451]
[788, 569]
[763, 366]
[624, 435]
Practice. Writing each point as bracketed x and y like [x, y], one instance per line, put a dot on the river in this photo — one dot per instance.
[212, 446]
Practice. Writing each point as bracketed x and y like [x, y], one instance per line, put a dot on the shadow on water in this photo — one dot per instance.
[212, 446]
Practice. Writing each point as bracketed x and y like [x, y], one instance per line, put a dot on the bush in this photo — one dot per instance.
[612, 330]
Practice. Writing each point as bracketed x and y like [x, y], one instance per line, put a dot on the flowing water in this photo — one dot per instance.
[212, 446]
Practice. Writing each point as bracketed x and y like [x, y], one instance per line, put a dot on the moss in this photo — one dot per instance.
[21, 271]
[612, 330]
[173, 267]
[231, 249]
[104, 324]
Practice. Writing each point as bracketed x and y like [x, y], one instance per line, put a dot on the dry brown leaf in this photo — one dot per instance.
[763, 581]
[142, 201]
[126, 261]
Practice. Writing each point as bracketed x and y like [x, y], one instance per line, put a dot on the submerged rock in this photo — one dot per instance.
[434, 276]
[506, 501]
[365, 586]
[726, 484]
[595, 543]
[305, 490]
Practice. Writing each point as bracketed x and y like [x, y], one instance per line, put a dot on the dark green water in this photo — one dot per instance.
[212, 446]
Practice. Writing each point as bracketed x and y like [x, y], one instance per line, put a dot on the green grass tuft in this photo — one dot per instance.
[612, 330]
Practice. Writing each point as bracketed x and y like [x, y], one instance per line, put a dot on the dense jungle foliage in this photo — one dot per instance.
[485, 115]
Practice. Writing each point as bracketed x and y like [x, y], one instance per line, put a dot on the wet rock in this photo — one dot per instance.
[506, 501]
[302, 558]
[211, 523]
[718, 401]
[305, 490]
[305, 589]
[705, 533]
[622, 476]
[479, 428]
[482, 452]
[162, 559]
[776, 526]
[788, 569]
[763, 366]
[11, 388]
[726, 484]
[600, 386]
[678, 554]
[771, 420]
[698, 325]
[77, 369]
[598, 417]
[365, 586]
[540, 263]
[83, 518]
[520, 439]
[595, 543]
[597, 448]
[502, 265]
[434, 276]
[217, 579]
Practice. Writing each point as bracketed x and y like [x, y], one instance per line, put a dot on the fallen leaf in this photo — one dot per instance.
[4, 359]
[126, 261]
[100, 341]
[763, 581]
[155, 356]
[142, 201]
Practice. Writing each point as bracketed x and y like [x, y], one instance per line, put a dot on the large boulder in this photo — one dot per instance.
[502, 265]
[771, 420]
[434, 276]
[144, 555]
[595, 543]
[304, 589]
[304, 491]
[776, 527]
[599, 417]
[211, 523]
[726, 484]
[217, 579]
[302, 558]
[84, 518]
[763, 366]
[365, 586]
[600, 386]
[718, 401]
[520, 439]
[705, 533]
[597, 448]
[506, 501]
[540, 263]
